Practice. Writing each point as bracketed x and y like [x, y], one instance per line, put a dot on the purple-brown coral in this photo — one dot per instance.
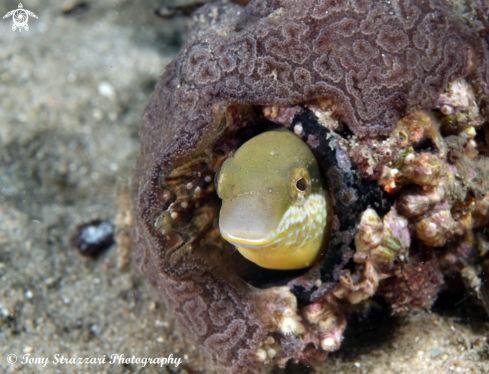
[375, 61]
[416, 285]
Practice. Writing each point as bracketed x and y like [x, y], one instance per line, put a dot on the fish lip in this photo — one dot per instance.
[247, 242]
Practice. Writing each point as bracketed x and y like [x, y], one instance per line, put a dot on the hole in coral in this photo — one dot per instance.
[265, 278]
[368, 329]
[482, 140]
[250, 272]
[424, 144]
[240, 132]
[455, 302]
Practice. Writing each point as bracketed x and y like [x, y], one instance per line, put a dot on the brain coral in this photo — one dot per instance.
[377, 60]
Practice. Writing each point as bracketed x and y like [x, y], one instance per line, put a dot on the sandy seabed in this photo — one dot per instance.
[72, 90]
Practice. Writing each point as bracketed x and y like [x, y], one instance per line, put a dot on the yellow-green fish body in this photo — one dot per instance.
[274, 208]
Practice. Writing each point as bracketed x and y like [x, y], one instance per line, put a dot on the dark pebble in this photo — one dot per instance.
[93, 237]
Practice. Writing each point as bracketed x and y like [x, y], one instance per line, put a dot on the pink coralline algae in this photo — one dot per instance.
[415, 285]
[391, 96]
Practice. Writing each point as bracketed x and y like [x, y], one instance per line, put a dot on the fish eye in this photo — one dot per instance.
[301, 184]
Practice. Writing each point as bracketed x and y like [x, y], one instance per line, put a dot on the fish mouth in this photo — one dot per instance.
[249, 221]
[249, 242]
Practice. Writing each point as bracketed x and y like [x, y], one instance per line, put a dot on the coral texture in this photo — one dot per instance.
[374, 61]
[416, 285]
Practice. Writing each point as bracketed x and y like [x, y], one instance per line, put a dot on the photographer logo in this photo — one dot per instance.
[20, 17]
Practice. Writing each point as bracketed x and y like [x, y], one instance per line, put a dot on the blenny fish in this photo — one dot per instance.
[274, 207]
